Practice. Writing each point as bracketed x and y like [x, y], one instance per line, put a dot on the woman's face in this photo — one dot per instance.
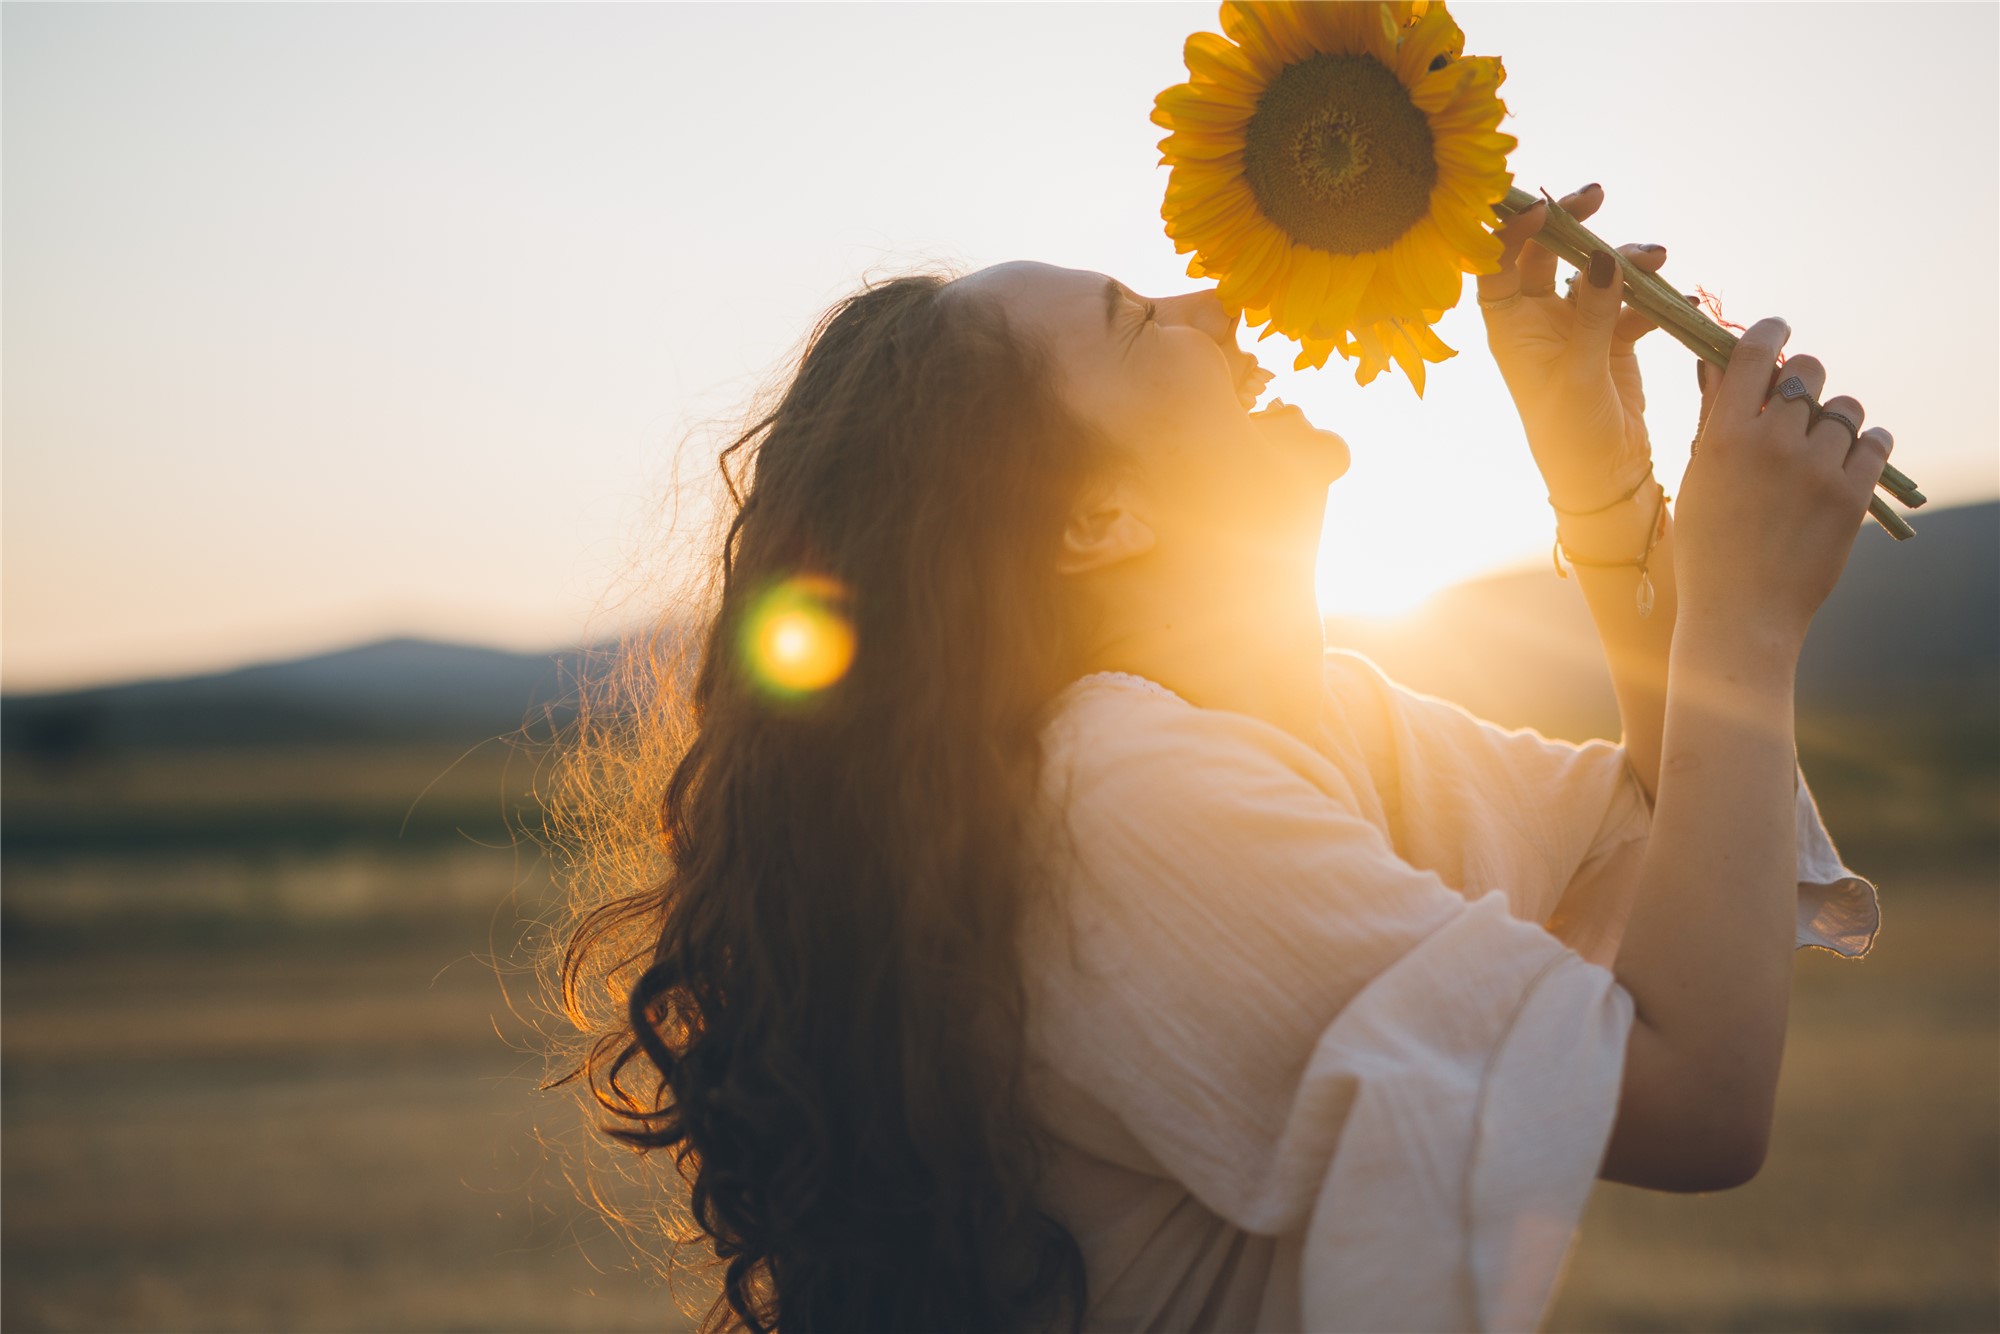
[1163, 377]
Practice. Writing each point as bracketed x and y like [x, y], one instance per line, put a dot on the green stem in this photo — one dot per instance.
[1572, 241]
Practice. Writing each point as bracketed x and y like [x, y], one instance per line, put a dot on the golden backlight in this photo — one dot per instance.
[1393, 537]
[1382, 592]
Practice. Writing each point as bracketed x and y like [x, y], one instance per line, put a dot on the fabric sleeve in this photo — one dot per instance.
[1313, 1035]
[1585, 810]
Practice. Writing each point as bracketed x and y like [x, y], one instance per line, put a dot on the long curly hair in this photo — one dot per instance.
[792, 940]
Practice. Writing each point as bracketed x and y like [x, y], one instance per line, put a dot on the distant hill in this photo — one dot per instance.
[395, 690]
[1913, 628]
[1910, 635]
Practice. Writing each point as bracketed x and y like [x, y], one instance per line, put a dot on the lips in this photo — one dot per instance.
[1253, 382]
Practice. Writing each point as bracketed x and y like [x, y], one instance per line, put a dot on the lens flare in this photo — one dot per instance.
[796, 640]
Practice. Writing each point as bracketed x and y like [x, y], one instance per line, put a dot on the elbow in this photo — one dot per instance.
[1681, 1133]
[1723, 1167]
[1698, 1166]
[1723, 1159]
[1740, 1165]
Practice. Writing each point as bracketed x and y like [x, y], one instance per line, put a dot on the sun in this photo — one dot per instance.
[1334, 167]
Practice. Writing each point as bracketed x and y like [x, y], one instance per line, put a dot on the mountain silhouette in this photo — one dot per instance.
[1912, 632]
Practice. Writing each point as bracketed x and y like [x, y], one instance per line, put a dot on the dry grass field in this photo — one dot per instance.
[326, 1127]
[256, 1085]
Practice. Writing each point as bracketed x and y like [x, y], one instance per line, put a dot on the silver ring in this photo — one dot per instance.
[1502, 302]
[1792, 387]
[1853, 427]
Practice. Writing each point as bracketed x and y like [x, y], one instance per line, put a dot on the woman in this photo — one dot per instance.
[1046, 930]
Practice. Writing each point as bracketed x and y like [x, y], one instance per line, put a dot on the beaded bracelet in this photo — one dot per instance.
[1644, 596]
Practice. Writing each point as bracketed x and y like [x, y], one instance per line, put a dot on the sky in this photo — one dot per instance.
[323, 323]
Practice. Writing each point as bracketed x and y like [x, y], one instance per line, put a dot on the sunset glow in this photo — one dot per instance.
[371, 320]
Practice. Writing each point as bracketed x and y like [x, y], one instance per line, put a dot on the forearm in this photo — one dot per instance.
[1636, 648]
[1707, 951]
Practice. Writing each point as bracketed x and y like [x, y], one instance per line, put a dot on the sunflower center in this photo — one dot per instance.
[1338, 156]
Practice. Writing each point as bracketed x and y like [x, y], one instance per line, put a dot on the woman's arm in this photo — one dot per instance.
[1702, 936]
[1571, 368]
[1707, 952]
[1636, 648]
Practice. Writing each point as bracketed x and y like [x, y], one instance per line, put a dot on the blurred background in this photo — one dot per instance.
[365, 367]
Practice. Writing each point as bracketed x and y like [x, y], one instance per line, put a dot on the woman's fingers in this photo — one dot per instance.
[1747, 380]
[1864, 461]
[1513, 233]
[1828, 432]
[1795, 413]
[1538, 264]
[1634, 323]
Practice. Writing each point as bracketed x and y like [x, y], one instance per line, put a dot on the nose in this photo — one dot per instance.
[1204, 311]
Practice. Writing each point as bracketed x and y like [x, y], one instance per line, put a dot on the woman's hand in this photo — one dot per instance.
[1568, 361]
[1772, 500]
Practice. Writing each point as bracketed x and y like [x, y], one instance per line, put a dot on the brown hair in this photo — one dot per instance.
[803, 913]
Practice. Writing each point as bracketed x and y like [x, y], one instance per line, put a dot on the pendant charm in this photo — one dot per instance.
[1645, 593]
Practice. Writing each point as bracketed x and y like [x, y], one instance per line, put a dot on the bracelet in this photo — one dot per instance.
[1644, 597]
[1630, 491]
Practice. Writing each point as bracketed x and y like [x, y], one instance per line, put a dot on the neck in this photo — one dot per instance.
[1250, 646]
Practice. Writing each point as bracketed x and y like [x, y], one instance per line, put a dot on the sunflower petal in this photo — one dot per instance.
[1191, 179]
[1222, 245]
[1187, 190]
[1407, 357]
[1426, 266]
[1338, 29]
[1349, 282]
[1186, 145]
[1211, 210]
[1437, 91]
[1313, 353]
[1250, 280]
[1268, 33]
[1186, 106]
[1222, 63]
[1299, 303]
[1425, 338]
[1467, 240]
[1434, 34]
[1373, 356]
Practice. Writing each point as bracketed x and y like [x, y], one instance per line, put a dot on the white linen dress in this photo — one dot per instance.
[1305, 1054]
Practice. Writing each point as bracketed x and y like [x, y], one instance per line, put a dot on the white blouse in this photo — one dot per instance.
[1306, 1056]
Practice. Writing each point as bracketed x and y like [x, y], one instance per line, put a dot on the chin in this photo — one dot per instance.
[1322, 456]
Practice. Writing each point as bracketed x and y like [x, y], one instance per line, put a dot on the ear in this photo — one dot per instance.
[1104, 529]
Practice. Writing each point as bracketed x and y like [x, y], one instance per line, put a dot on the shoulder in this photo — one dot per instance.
[1173, 806]
[1360, 684]
[1120, 742]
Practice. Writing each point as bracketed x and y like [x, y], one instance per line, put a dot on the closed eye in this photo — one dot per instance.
[1147, 311]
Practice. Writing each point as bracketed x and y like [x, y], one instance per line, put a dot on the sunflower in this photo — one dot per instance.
[1335, 167]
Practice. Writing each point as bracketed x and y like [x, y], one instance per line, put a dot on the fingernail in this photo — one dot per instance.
[1603, 268]
[1650, 247]
[1588, 188]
